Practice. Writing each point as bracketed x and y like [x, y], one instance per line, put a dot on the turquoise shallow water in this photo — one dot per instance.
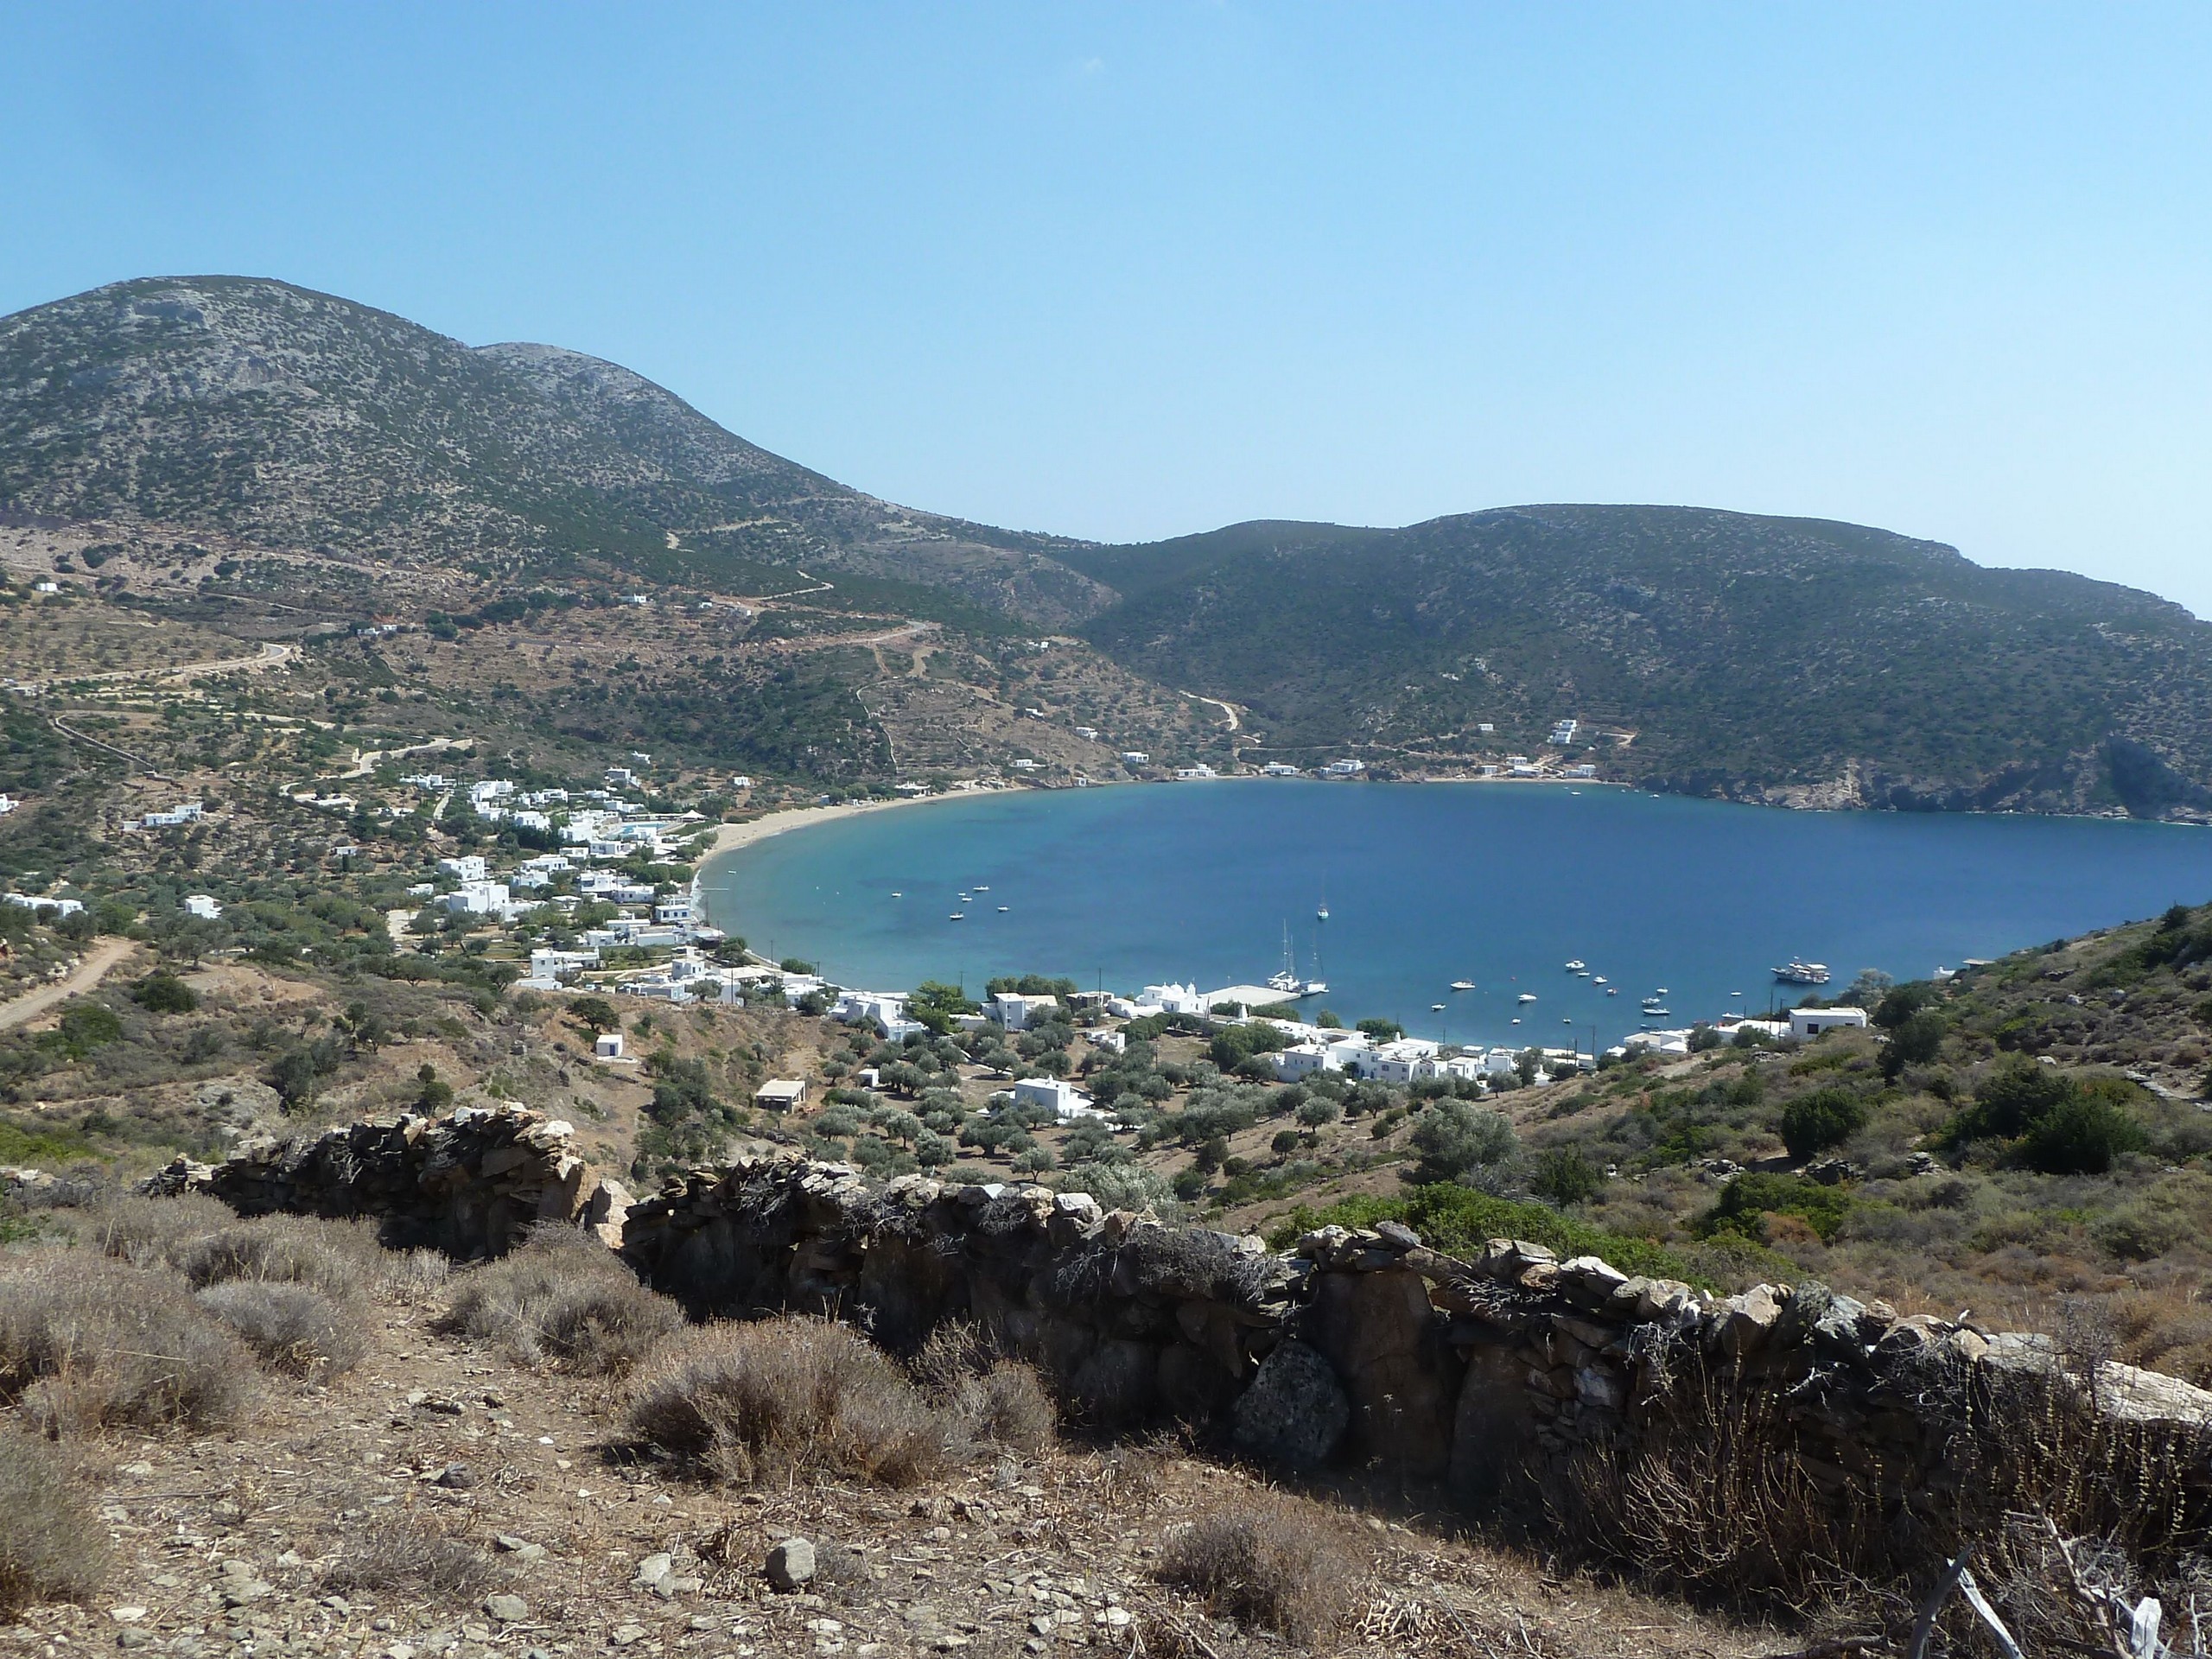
[1426, 884]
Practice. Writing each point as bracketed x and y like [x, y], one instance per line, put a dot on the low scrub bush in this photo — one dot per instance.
[1276, 1562]
[1825, 1118]
[89, 1345]
[1748, 1203]
[411, 1556]
[289, 1327]
[1458, 1221]
[148, 1232]
[789, 1396]
[564, 1300]
[335, 1257]
[988, 1397]
[53, 1547]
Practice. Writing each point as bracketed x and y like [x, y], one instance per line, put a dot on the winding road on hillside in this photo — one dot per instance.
[269, 654]
[87, 974]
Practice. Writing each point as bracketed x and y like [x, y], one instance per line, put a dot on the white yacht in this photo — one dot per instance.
[1575, 966]
[1528, 996]
[1462, 985]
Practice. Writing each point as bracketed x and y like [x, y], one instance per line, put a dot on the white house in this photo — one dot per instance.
[1017, 1011]
[187, 812]
[1811, 1022]
[780, 1094]
[1402, 1061]
[672, 910]
[1344, 768]
[31, 901]
[1064, 1097]
[884, 1008]
[469, 866]
[1197, 774]
[203, 906]
[1113, 1042]
[608, 1046]
[1279, 769]
[1135, 758]
[477, 899]
[546, 963]
[1302, 1060]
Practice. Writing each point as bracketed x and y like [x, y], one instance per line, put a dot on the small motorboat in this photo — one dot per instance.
[897, 895]
[980, 888]
[1002, 909]
[1528, 996]
[1517, 1020]
[1462, 985]
[1436, 1008]
[957, 916]
[1657, 1013]
[1597, 979]
[1574, 967]
[1612, 990]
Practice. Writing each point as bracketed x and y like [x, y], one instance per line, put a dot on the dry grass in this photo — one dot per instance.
[1007, 1406]
[338, 1258]
[565, 1300]
[94, 1344]
[789, 1396]
[291, 1328]
[990, 1398]
[411, 1554]
[148, 1232]
[1269, 1560]
[53, 1548]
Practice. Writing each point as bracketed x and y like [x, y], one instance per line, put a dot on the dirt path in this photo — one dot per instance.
[89, 973]
[1227, 709]
[268, 657]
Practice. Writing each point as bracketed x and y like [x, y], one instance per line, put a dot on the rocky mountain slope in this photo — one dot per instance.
[297, 420]
[1782, 659]
[1792, 661]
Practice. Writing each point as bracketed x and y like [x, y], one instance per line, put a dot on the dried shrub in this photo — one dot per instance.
[562, 1300]
[788, 1397]
[411, 1554]
[53, 1547]
[1266, 1560]
[413, 1277]
[148, 1231]
[1008, 1405]
[87, 1344]
[291, 1329]
[335, 1257]
[988, 1398]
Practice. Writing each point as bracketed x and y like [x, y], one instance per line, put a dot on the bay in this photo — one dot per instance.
[1425, 884]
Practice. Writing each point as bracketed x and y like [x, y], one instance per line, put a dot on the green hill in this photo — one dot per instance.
[1705, 651]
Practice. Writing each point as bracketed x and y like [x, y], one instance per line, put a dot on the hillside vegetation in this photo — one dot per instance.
[266, 441]
[1702, 651]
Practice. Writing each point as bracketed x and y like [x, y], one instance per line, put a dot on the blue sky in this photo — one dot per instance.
[1130, 270]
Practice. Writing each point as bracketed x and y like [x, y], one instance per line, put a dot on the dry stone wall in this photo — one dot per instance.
[471, 1183]
[1514, 1376]
[1510, 1377]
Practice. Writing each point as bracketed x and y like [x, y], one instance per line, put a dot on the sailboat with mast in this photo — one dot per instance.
[1287, 978]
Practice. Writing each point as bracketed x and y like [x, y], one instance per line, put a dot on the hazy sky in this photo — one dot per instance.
[1128, 272]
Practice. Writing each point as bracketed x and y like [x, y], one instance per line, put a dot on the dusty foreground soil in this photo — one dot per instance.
[439, 1501]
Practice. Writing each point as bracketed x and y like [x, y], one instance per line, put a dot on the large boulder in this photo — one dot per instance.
[1295, 1412]
[1380, 1333]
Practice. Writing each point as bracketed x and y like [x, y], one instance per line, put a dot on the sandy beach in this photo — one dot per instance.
[731, 836]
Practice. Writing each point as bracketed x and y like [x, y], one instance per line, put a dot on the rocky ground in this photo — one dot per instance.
[439, 1501]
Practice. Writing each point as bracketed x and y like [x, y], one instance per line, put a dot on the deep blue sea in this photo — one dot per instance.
[1425, 884]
